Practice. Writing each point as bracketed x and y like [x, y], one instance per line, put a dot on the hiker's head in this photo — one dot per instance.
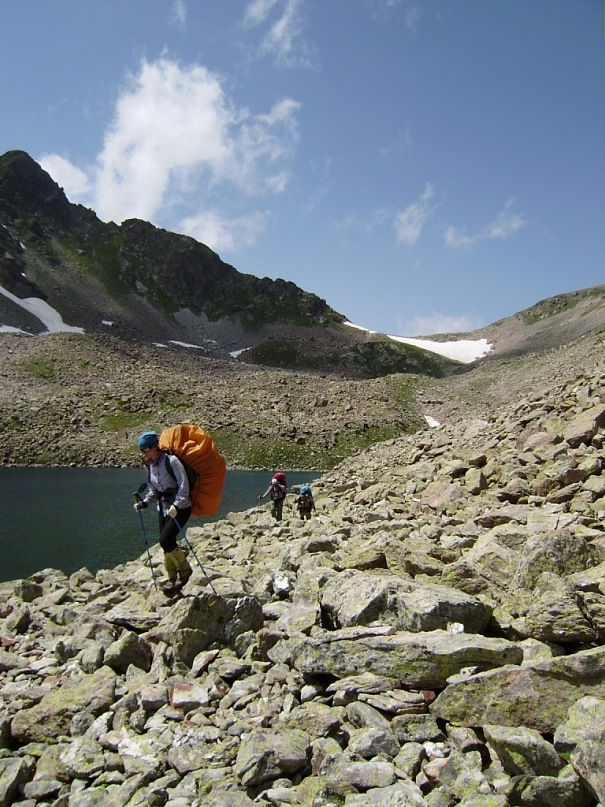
[148, 443]
[274, 481]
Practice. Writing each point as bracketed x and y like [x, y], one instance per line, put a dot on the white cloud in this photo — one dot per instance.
[412, 17]
[221, 234]
[283, 39]
[382, 11]
[410, 222]
[179, 13]
[454, 238]
[176, 134]
[74, 182]
[438, 323]
[505, 224]
[258, 11]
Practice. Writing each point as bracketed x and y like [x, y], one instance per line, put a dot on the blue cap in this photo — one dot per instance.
[148, 440]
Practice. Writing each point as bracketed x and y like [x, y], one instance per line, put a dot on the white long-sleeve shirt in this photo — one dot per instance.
[160, 481]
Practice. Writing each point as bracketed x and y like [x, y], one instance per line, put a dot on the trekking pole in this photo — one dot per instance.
[204, 572]
[137, 498]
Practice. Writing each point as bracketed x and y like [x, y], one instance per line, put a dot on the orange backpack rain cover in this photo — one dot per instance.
[192, 445]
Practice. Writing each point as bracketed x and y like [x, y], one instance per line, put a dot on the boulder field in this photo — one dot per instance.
[434, 635]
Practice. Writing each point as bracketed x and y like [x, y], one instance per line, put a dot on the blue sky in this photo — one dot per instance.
[424, 166]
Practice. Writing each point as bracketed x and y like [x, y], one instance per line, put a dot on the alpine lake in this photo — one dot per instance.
[70, 518]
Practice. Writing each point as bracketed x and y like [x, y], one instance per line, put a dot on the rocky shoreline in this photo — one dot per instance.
[433, 636]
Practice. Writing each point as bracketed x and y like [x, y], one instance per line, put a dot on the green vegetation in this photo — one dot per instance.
[73, 252]
[401, 390]
[11, 423]
[125, 420]
[364, 359]
[106, 258]
[556, 305]
[171, 398]
[281, 452]
[40, 367]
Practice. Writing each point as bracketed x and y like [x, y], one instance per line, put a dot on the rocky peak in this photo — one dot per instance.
[27, 190]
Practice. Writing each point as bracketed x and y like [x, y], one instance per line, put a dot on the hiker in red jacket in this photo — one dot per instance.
[277, 493]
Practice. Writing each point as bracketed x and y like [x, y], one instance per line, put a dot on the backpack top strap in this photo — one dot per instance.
[168, 466]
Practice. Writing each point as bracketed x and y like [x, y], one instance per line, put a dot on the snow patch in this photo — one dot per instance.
[48, 316]
[184, 344]
[432, 422]
[462, 350]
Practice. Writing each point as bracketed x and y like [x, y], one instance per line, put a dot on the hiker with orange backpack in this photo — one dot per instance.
[277, 493]
[169, 488]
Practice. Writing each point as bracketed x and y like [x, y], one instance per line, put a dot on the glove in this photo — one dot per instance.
[171, 512]
[140, 505]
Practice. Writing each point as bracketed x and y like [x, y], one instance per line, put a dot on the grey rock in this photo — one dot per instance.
[364, 775]
[536, 695]
[128, 649]
[13, 774]
[265, 755]
[52, 715]
[359, 598]
[401, 794]
[581, 740]
[522, 750]
[418, 660]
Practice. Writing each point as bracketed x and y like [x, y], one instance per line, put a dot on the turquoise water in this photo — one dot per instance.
[68, 518]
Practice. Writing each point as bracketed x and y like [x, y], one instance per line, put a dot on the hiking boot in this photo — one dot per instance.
[169, 587]
[185, 574]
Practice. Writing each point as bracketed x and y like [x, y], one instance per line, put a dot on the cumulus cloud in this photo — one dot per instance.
[175, 136]
[222, 234]
[74, 182]
[258, 11]
[505, 223]
[438, 323]
[283, 40]
[410, 222]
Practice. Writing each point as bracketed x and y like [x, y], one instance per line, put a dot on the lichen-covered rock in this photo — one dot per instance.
[581, 740]
[536, 695]
[51, 717]
[265, 755]
[419, 660]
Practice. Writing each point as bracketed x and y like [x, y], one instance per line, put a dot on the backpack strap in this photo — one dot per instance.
[168, 466]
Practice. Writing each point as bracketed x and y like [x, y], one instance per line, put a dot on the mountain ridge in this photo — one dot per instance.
[299, 396]
[154, 285]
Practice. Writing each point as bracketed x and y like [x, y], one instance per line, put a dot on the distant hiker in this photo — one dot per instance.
[277, 493]
[171, 492]
[304, 502]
